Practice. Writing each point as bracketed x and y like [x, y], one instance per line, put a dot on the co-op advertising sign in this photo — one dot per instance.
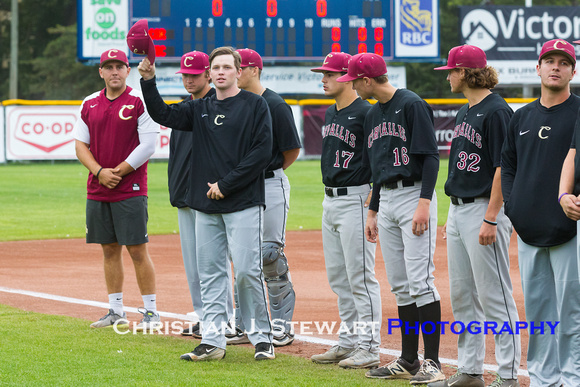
[46, 133]
[517, 33]
[102, 24]
[40, 132]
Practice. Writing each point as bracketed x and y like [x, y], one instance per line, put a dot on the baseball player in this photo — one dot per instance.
[285, 150]
[401, 149]
[477, 230]
[535, 148]
[194, 72]
[114, 138]
[233, 143]
[348, 256]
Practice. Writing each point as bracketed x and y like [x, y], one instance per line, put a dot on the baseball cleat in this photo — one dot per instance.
[460, 380]
[428, 373]
[109, 320]
[361, 358]
[204, 352]
[237, 338]
[283, 340]
[264, 351]
[192, 331]
[333, 355]
[397, 369]
[501, 382]
[150, 320]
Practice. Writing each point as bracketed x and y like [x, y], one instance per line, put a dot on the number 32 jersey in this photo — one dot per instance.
[475, 152]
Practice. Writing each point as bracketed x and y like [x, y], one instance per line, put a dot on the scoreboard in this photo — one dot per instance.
[279, 30]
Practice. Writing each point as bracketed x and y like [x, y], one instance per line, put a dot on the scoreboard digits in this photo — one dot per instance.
[277, 29]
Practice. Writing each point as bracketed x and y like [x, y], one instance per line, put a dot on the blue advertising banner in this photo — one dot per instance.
[517, 32]
[416, 28]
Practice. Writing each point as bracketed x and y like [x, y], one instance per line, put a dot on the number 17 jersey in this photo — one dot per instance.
[342, 146]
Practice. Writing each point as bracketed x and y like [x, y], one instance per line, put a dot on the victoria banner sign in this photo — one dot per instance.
[517, 33]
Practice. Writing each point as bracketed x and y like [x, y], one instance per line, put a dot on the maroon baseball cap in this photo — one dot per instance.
[336, 62]
[558, 46]
[140, 42]
[364, 65]
[250, 58]
[114, 54]
[195, 62]
[467, 56]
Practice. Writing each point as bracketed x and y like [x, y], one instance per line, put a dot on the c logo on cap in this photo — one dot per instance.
[121, 112]
[112, 51]
[556, 44]
[185, 61]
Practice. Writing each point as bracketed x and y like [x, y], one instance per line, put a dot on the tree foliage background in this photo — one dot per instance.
[48, 68]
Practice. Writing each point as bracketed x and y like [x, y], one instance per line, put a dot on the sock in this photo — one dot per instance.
[150, 303]
[116, 303]
[409, 316]
[431, 314]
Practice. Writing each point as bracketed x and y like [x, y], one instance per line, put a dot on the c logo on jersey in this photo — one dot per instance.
[121, 116]
[216, 119]
[542, 128]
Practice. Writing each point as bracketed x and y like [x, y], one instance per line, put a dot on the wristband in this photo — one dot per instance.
[562, 195]
[490, 222]
[97, 175]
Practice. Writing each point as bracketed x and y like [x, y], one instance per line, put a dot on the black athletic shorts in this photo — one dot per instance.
[124, 222]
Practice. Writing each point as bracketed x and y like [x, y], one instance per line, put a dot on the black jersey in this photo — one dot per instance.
[342, 146]
[536, 145]
[397, 134]
[576, 145]
[476, 147]
[179, 162]
[232, 145]
[284, 134]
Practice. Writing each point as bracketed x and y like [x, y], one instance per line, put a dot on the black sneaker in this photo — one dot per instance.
[264, 351]
[192, 331]
[205, 352]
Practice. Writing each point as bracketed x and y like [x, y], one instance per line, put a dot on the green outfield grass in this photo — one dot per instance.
[44, 350]
[47, 200]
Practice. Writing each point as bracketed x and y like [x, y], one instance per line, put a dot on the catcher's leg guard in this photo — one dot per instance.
[280, 290]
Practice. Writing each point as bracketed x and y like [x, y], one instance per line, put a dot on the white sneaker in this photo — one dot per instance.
[149, 322]
[333, 355]
[110, 320]
[428, 373]
[361, 358]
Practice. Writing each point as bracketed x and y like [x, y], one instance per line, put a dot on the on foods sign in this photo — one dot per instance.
[103, 24]
[517, 33]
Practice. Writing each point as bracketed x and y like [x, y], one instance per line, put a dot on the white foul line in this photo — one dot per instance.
[307, 339]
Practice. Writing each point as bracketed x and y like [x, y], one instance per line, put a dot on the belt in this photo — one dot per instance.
[404, 183]
[269, 174]
[339, 191]
[455, 200]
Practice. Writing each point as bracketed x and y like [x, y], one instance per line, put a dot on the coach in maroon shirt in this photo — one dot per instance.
[115, 137]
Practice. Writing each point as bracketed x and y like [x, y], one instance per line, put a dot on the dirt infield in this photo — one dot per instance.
[71, 268]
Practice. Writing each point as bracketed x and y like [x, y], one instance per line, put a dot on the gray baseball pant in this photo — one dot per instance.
[481, 287]
[186, 221]
[241, 232]
[552, 293]
[350, 268]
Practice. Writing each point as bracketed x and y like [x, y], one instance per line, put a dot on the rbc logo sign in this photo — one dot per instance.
[416, 20]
